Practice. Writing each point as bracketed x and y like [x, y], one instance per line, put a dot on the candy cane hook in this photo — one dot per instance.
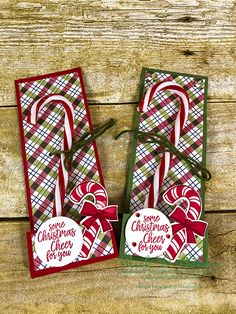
[94, 189]
[185, 193]
[163, 167]
[193, 211]
[63, 175]
[99, 194]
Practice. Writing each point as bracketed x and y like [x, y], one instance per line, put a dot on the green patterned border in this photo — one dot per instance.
[126, 215]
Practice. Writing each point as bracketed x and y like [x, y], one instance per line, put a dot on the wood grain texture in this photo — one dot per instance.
[221, 151]
[113, 40]
[119, 286]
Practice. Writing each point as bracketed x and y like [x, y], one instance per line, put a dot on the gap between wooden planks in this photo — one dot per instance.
[118, 285]
[221, 151]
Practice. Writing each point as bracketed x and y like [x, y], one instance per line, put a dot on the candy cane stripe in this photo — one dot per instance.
[168, 255]
[163, 168]
[93, 230]
[172, 196]
[87, 242]
[100, 200]
[182, 236]
[158, 87]
[62, 179]
[175, 245]
[90, 188]
[194, 212]
[89, 237]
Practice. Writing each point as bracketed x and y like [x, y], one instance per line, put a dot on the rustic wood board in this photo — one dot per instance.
[121, 286]
[112, 40]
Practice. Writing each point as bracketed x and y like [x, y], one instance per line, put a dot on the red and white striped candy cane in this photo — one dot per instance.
[63, 175]
[163, 167]
[194, 208]
[90, 188]
[99, 194]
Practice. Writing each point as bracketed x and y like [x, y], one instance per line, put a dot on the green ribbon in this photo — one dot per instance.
[195, 167]
[85, 139]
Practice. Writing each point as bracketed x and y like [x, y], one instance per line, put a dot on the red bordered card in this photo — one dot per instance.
[57, 243]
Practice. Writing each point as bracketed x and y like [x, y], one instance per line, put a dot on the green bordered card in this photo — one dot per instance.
[163, 220]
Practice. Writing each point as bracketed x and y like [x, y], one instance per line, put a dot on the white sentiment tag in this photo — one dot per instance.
[148, 233]
[58, 241]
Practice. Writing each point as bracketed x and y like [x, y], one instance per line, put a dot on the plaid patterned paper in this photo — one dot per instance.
[160, 118]
[45, 137]
[102, 247]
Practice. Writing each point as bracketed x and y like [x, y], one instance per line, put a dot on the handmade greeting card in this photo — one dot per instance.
[70, 218]
[164, 208]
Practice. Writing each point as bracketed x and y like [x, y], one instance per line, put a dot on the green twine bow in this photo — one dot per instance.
[85, 139]
[195, 167]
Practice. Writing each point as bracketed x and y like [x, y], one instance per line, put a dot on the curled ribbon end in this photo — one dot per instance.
[117, 136]
[206, 175]
[67, 164]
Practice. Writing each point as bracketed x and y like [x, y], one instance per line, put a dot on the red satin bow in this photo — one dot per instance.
[104, 215]
[191, 227]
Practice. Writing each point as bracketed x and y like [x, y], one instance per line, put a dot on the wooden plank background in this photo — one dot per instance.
[112, 40]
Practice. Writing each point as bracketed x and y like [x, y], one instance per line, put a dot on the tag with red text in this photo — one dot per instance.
[148, 233]
[58, 241]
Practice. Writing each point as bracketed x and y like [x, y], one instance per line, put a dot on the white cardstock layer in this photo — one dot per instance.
[58, 241]
[148, 233]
